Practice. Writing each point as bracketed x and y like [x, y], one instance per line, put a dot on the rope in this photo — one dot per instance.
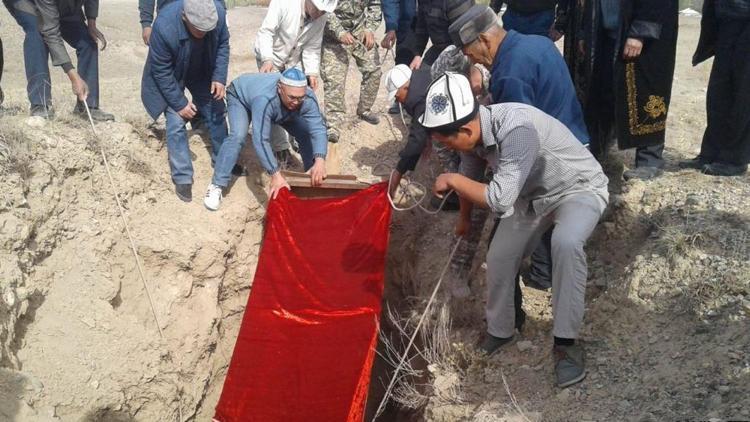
[124, 220]
[394, 379]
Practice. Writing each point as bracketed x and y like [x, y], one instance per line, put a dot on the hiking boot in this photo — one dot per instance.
[213, 197]
[696, 163]
[569, 365]
[42, 111]
[97, 114]
[333, 137]
[724, 169]
[369, 117]
[491, 344]
[394, 108]
[643, 173]
[184, 192]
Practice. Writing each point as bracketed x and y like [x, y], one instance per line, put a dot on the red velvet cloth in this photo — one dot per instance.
[307, 342]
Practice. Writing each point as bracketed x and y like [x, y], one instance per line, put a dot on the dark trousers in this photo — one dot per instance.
[727, 136]
[403, 53]
[601, 109]
[36, 56]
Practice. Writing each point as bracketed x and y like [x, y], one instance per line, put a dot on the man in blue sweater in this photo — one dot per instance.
[525, 69]
[189, 48]
[264, 100]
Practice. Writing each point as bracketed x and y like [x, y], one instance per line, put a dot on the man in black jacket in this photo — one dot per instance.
[433, 19]
[725, 33]
[530, 17]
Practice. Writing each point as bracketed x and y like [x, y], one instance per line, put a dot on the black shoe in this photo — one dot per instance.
[491, 344]
[369, 117]
[643, 173]
[97, 114]
[569, 365]
[42, 111]
[724, 169]
[696, 163]
[184, 192]
[333, 137]
[394, 108]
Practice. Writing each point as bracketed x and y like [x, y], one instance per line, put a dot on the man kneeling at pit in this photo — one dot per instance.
[542, 177]
[267, 99]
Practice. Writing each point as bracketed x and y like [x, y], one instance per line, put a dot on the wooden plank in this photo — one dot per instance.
[333, 186]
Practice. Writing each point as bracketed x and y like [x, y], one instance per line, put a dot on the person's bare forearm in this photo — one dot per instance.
[469, 190]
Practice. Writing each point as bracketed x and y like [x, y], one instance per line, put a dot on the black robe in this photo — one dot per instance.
[640, 89]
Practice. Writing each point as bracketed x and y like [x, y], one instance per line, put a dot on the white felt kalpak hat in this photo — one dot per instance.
[327, 6]
[450, 103]
[396, 78]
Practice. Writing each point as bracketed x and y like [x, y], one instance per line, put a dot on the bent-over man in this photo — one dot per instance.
[542, 177]
[264, 100]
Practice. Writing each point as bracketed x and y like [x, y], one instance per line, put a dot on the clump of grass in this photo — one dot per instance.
[678, 241]
[15, 154]
[137, 166]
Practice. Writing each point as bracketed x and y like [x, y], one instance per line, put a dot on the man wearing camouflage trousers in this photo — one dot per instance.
[350, 30]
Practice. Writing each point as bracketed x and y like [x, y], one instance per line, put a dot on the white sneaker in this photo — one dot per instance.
[213, 197]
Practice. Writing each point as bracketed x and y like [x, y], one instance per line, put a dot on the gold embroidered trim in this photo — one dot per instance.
[656, 107]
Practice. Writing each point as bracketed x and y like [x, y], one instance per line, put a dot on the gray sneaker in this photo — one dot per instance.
[97, 114]
[642, 173]
[184, 192]
[569, 365]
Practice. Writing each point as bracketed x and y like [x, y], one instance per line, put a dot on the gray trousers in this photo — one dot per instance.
[574, 220]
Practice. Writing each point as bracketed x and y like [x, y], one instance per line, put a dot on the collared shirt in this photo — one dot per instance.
[288, 38]
[529, 69]
[534, 159]
[50, 13]
[258, 94]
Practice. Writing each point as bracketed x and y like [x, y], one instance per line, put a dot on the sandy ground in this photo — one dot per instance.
[666, 330]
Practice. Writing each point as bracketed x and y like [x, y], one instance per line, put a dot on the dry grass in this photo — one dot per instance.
[15, 154]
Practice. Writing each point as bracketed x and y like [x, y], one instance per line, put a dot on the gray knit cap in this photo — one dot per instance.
[201, 14]
[475, 21]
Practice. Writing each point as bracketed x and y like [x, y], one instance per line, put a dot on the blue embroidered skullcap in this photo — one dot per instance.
[294, 77]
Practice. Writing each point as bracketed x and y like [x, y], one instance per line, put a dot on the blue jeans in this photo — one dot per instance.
[178, 148]
[239, 124]
[534, 24]
[36, 55]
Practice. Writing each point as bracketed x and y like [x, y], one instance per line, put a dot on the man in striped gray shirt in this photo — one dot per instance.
[542, 177]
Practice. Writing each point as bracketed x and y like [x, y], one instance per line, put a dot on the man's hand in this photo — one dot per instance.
[218, 90]
[442, 185]
[368, 39]
[266, 67]
[96, 34]
[80, 88]
[277, 184]
[394, 183]
[188, 112]
[633, 49]
[318, 172]
[347, 39]
[146, 34]
[389, 40]
[312, 81]
[463, 225]
[416, 63]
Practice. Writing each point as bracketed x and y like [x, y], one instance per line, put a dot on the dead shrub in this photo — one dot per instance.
[15, 154]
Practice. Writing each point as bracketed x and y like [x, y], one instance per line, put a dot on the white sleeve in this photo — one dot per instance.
[312, 49]
[267, 31]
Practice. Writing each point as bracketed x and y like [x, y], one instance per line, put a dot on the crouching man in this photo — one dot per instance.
[264, 100]
[542, 177]
[189, 48]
